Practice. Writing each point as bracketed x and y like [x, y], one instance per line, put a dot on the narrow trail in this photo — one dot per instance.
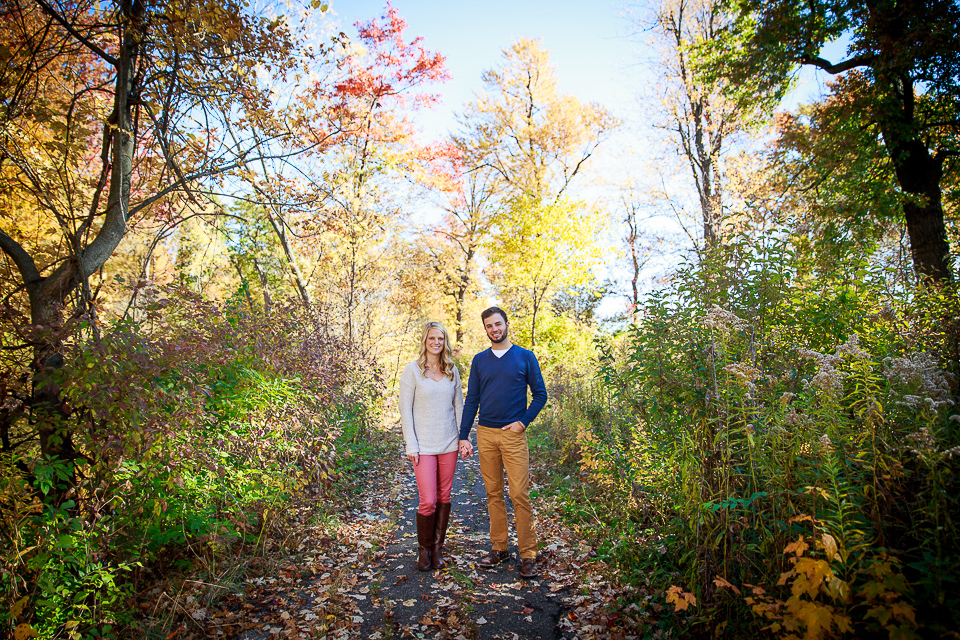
[462, 600]
[359, 579]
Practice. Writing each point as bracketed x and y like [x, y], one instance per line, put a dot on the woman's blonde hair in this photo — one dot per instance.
[446, 356]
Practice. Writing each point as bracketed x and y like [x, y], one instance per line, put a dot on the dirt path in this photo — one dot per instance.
[357, 578]
[462, 600]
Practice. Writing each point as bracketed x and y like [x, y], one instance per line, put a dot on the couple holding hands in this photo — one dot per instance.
[436, 423]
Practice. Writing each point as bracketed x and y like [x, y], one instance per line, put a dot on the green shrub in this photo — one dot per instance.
[753, 403]
[195, 425]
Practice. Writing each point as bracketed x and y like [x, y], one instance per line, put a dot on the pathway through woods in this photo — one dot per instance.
[362, 581]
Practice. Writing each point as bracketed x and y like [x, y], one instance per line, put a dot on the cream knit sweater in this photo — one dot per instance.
[430, 411]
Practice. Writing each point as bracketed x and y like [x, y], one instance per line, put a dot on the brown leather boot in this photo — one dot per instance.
[494, 558]
[425, 527]
[440, 533]
[529, 568]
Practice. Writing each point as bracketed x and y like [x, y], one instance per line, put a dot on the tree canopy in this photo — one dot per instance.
[906, 55]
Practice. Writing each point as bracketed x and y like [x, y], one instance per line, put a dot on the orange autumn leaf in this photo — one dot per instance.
[721, 582]
[680, 599]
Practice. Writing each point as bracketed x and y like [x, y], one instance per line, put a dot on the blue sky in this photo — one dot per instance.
[597, 48]
[595, 59]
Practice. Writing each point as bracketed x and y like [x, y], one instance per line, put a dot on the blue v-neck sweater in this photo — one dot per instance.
[498, 387]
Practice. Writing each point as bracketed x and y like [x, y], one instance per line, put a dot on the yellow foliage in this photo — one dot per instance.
[815, 619]
[829, 546]
[598, 468]
[680, 599]
[722, 582]
[798, 547]
[18, 606]
[820, 601]
[808, 577]
[24, 631]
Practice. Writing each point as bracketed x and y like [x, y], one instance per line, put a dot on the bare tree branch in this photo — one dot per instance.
[50, 11]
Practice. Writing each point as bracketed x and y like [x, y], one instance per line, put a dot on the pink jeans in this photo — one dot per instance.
[434, 480]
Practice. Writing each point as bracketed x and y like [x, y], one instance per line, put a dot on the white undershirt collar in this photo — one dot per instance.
[499, 352]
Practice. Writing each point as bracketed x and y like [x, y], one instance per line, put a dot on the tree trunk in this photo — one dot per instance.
[928, 238]
[279, 228]
[262, 276]
[48, 410]
[704, 169]
[698, 121]
[533, 321]
[461, 296]
[462, 292]
[47, 294]
[633, 236]
[243, 284]
[919, 175]
[352, 288]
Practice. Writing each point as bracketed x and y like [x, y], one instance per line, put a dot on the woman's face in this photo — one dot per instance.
[435, 342]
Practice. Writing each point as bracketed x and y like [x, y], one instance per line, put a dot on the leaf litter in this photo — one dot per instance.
[355, 577]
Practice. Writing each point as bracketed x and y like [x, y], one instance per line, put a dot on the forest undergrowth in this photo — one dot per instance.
[769, 450]
[773, 448]
[239, 588]
[195, 431]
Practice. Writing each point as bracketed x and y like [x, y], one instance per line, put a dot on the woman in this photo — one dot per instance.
[431, 402]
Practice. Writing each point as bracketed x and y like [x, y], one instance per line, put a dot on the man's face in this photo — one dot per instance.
[496, 328]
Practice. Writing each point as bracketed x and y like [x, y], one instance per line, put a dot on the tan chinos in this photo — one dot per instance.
[501, 450]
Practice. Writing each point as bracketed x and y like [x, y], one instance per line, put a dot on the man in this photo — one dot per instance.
[499, 378]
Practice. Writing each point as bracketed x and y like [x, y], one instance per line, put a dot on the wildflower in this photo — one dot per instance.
[852, 348]
[720, 319]
[918, 373]
[826, 445]
[827, 380]
[787, 398]
[821, 359]
[923, 442]
[744, 374]
[794, 419]
[910, 400]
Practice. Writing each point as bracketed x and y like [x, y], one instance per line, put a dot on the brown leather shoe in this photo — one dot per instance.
[494, 558]
[440, 534]
[529, 568]
[425, 526]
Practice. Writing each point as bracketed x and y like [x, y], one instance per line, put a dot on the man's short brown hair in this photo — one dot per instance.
[492, 310]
